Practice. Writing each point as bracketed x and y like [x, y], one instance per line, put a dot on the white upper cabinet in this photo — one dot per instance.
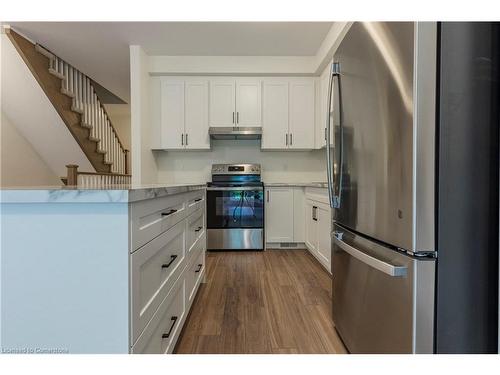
[248, 102]
[172, 113]
[301, 112]
[275, 114]
[235, 102]
[288, 114]
[196, 114]
[222, 102]
[183, 114]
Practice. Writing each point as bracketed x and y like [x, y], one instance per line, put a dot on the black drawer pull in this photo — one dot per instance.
[169, 212]
[198, 199]
[198, 229]
[172, 259]
[167, 335]
[200, 266]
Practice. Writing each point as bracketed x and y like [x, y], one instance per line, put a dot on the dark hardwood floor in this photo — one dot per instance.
[276, 301]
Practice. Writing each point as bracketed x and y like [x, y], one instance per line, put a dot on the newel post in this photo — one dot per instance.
[72, 176]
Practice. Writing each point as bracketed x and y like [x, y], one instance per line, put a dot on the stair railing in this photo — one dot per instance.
[80, 87]
[95, 180]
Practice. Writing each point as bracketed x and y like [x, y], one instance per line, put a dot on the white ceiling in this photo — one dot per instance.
[100, 49]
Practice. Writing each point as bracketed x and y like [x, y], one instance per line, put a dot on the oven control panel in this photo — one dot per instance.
[241, 169]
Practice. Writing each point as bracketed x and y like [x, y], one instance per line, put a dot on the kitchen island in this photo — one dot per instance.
[113, 270]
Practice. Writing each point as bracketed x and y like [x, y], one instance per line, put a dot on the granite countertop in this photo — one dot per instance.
[297, 184]
[105, 194]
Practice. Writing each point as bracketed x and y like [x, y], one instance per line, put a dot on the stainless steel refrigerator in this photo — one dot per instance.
[383, 173]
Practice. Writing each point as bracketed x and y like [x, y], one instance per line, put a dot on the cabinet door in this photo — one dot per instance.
[196, 115]
[172, 113]
[311, 234]
[275, 115]
[248, 102]
[279, 215]
[324, 241]
[299, 215]
[222, 102]
[301, 109]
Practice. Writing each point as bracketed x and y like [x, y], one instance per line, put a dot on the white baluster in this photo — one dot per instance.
[77, 96]
[92, 107]
[96, 112]
[101, 121]
[74, 88]
[110, 138]
[65, 79]
[70, 80]
[117, 169]
[82, 96]
[105, 142]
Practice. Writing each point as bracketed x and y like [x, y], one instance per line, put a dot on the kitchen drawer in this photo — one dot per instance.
[195, 229]
[193, 276]
[162, 331]
[151, 217]
[154, 268]
[195, 201]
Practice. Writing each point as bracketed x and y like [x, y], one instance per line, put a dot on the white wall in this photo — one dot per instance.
[277, 166]
[20, 164]
[144, 170]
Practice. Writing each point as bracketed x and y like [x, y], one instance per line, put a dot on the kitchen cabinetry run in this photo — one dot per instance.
[288, 114]
[284, 212]
[235, 102]
[120, 268]
[167, 270]
[183, 119]
[317, 226]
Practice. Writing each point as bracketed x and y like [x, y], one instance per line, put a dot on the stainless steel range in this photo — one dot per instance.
[235, 208]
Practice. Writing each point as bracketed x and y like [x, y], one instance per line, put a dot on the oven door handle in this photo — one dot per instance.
[235, 188]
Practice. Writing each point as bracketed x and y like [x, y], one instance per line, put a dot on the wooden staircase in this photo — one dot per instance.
[73, 96]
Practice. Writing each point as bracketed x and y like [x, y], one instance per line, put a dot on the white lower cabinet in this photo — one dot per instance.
[165, 275]
[318, 228]
[285, 213]
[161, 333]
[279, 215]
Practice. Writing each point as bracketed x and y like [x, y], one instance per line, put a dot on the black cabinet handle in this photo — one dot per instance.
[198, 199]
[200, 266]
[315, 218]
[199, 228]
[172, 211]
[172, 260]
[167, 335]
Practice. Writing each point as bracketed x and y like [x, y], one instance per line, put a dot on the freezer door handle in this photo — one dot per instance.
[387, 268]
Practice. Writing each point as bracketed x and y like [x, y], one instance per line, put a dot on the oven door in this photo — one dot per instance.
[235, 207]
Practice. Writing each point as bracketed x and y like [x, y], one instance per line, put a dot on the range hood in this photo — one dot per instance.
[239, 132]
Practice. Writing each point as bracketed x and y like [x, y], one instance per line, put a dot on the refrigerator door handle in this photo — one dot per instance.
[387, 268]
[327, 138]
[335, 198]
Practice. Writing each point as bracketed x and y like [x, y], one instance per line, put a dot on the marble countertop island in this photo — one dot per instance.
[105, 194]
